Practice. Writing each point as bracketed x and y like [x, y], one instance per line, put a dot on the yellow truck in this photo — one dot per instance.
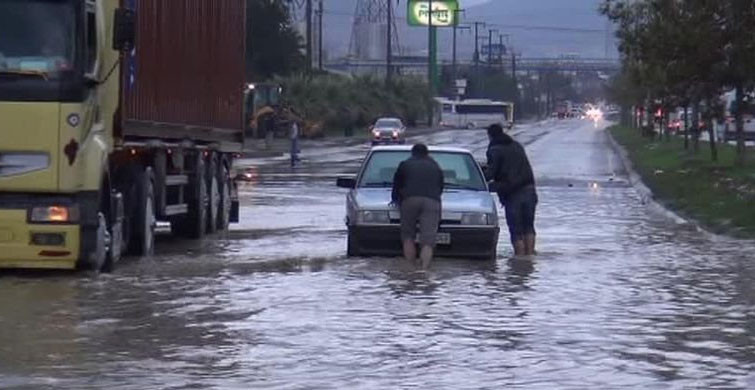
[114, 115]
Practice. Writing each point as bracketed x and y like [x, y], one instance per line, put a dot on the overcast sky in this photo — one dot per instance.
[537, 28]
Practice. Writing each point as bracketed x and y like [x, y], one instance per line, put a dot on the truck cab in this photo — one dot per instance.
[78, 186]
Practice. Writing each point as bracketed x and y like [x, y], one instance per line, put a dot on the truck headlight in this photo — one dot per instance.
[54, 214]
[373, 217]
[477, 219]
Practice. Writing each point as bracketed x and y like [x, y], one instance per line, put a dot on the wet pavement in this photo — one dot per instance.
[620, 296]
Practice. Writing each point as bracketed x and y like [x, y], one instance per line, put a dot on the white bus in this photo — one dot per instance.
[475, 113]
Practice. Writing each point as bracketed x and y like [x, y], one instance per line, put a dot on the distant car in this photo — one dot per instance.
[469, 223]
[388, 131]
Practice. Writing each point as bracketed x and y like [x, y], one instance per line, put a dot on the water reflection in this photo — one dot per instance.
[620, 297]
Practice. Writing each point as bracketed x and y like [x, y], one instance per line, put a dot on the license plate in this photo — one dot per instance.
[441, 239]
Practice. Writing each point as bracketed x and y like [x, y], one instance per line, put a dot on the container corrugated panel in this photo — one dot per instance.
[188, 66]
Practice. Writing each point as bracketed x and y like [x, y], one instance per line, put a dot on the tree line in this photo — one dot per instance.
[687, 53]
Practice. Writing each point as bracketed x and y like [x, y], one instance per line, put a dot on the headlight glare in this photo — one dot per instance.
[54, 214]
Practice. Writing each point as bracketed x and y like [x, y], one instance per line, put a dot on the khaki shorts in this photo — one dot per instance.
[422, 212]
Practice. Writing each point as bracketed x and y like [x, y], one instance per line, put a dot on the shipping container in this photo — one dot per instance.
[185, 77]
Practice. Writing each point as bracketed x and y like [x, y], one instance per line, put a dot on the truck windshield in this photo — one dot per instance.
[36, 38]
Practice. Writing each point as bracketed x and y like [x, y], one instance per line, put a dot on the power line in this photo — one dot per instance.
[508, 26]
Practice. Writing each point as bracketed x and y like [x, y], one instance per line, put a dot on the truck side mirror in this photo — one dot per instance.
[124, 29]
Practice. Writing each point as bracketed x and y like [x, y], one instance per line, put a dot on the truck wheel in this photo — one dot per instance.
[213, 205]
[144, 220]
[194, 224]
[115, 249]
[224, 217]
[97, 241]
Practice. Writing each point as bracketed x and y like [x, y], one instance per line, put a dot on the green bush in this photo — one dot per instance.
[340, 103]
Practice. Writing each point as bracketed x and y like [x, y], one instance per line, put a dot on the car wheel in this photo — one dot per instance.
[351, 246]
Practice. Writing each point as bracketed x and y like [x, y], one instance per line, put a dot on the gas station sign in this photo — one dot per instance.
[444, 13]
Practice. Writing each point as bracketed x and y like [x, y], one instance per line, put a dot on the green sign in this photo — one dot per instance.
[445, 13]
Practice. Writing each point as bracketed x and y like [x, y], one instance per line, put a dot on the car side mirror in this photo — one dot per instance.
[346, 182]
[493, 187]
[124, 29]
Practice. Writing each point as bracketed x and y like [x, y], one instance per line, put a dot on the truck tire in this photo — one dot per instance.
[224, 216]
[143, 220]
[213, 192]
[194, 224]
[116, 222]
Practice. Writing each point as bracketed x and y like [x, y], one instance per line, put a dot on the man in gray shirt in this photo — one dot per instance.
[417, 190]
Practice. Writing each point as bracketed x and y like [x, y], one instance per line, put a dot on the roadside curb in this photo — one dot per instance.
[646, 194]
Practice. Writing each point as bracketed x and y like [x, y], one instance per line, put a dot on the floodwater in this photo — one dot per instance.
[621, 296]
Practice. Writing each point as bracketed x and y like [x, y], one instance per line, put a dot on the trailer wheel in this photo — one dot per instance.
[213, 192]
[194, 224]
[224, 216]
[142, 240]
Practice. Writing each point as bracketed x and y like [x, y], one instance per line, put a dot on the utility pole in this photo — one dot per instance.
[389, 46]
[309, 36]
[320, 13]
[477, 44]
[431, 48]
[456, 27]
[513, 68]
[490, 46]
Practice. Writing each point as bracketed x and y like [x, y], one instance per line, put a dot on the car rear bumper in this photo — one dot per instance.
[387, 141]
[466, 242]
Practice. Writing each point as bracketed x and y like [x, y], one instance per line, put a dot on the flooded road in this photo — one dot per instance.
[620, 297]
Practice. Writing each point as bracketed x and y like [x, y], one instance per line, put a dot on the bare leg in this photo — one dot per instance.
[410, 250]
[529, 243]
[520, 249]
[426, 256]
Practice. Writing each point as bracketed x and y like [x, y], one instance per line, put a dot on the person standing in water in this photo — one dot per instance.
[417, 190]
[511, 173]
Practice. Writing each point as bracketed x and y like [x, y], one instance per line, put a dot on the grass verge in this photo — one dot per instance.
[718, 195]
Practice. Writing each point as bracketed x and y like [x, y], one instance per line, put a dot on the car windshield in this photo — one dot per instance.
[388, 123]
[460, 170]
[36, 37]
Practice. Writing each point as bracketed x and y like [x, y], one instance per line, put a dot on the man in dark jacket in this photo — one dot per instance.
[417, 189]
[511, 172]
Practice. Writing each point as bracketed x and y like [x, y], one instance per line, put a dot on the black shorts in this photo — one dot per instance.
[520, 213]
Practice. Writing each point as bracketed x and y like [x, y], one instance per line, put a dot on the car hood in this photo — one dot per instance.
[452, 200]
